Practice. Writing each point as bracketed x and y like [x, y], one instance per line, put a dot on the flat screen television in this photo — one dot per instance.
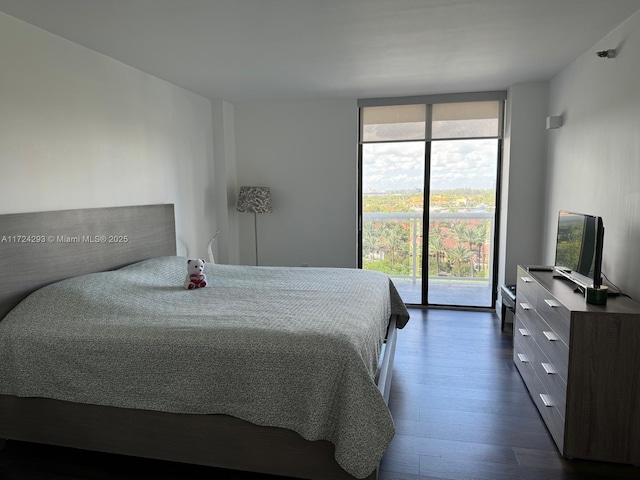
[579, 248]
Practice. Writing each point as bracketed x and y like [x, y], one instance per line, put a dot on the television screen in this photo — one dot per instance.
[579, 246]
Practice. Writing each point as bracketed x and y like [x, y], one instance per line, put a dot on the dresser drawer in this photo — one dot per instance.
[553, 383]
[523, 352]
[526, 343]
[527, 289]
[556, 351]
[526, 302]
[552, 417]
[557, 316]
[522, 357]
[525, 311]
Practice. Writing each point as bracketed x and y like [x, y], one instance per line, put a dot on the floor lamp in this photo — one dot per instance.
[255, 200]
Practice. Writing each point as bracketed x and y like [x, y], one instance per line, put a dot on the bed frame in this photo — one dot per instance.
[43, 247]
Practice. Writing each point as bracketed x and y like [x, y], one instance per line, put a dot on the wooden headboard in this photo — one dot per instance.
[44, 247]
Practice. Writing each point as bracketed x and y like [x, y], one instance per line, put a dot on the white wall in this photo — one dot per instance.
[78, 129]
[594, 159]
[522, 202]
[306, 153]
[225, 246]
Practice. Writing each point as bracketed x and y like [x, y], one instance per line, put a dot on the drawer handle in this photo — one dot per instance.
[523, 358]
[552, 337]
[524, 332]
[527, 279]
[549, 368]
[525, 306]
[546, 399]
[552, 303]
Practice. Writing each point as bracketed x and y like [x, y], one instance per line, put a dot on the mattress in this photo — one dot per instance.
[295, 348]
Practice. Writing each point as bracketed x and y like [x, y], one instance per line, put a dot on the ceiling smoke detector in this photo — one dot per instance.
[607, 53]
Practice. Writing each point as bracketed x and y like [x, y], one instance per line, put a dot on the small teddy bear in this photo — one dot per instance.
[196, 277]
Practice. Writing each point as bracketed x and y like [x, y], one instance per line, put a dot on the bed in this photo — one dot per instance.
[211, 376]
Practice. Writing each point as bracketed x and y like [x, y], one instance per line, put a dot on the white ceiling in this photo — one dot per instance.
[265, 50]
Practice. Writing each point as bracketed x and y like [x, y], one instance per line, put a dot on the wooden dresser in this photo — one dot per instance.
[581, 365]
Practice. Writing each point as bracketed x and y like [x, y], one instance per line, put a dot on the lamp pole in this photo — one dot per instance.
[254, 200]
[255, 232]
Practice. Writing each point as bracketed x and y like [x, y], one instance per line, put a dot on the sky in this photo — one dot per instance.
[454, 164]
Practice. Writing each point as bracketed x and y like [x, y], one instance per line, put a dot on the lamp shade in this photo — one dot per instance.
[255, 200]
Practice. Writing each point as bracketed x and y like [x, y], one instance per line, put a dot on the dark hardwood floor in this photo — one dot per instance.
[460, 408]
[462, 411]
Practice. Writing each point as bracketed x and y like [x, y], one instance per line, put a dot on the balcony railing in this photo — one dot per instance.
[474, 280]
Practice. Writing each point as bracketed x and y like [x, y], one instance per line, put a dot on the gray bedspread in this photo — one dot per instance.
[288, 347]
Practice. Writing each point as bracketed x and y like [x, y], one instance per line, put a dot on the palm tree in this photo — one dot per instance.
[436, 247]
[458, 255]
[480, 240]
[370, 239]
[394, 240]
[466, 233]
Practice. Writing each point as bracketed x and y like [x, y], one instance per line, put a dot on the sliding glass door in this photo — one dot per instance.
[393, 209]
[429, 179]
[462, 206]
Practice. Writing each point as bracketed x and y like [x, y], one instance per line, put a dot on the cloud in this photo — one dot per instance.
[454, 164]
